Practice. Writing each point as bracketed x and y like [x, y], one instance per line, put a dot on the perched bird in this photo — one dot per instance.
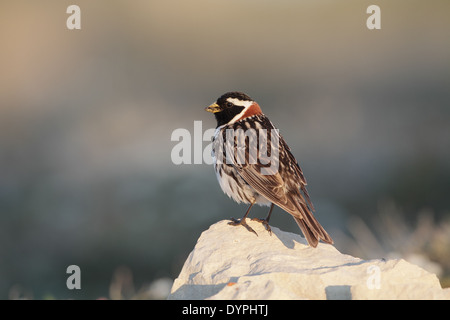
[246, 178]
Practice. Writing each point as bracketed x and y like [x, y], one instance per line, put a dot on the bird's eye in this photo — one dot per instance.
[229, 104]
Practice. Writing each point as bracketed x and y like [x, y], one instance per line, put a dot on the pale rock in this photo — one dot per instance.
[231, 263]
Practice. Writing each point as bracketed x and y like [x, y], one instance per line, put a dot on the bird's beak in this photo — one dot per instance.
[214, 108]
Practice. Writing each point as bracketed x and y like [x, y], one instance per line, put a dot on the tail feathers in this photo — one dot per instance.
[311, 228]
[310, 237]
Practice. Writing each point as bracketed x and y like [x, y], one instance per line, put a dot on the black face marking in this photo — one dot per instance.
[229, 110]
[225, 116]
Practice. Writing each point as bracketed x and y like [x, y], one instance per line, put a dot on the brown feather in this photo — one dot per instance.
[285, 193]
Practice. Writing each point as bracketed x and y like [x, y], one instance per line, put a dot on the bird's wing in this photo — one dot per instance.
[295, 170]
[268, 181]
[265, 177]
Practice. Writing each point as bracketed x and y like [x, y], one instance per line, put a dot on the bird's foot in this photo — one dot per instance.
[241, 222]
[264, 223]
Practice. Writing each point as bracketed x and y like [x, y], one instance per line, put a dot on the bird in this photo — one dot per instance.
[252, 181]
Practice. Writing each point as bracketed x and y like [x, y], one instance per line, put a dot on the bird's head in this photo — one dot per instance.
[232, 107]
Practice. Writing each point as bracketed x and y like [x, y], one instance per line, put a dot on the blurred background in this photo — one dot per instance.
[86, 118]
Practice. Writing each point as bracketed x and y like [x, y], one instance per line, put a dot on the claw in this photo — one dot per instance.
[241, 222]
[264, 223]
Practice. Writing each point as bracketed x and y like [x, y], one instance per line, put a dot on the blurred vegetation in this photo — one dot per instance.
[86, 118]
[423, 241]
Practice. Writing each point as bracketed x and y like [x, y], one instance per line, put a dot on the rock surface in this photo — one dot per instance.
[232, 263]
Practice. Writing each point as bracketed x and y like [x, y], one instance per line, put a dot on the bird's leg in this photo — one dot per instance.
[241, 222]
[265, 221]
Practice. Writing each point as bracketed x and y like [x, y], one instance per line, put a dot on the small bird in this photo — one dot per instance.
[243, 177]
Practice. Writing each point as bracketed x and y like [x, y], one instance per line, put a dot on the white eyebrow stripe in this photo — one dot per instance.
[240, 103]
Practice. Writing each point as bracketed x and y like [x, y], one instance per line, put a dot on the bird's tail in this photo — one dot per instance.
[311, 228]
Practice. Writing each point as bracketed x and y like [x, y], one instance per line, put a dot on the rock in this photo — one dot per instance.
[232, 263]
